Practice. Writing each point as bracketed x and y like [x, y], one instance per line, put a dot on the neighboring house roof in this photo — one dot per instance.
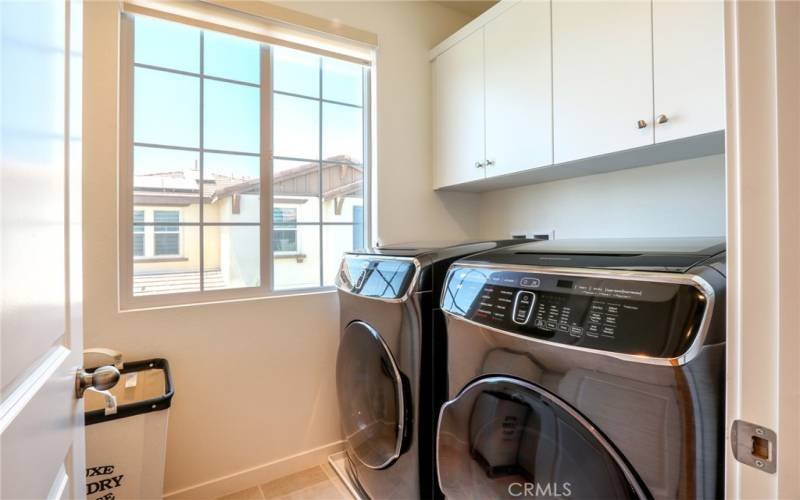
[340, 178]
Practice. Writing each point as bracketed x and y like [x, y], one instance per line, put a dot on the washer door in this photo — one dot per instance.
[502, 437]
[373, 397]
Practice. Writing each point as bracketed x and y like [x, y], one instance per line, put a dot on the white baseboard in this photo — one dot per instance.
[257, 475]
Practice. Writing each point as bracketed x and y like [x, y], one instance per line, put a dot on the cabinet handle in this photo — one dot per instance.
[641, 124]
[478, 164]
[662, 118]
[489, 163]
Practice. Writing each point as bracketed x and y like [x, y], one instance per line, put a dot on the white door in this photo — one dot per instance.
[458, 84]
[688, 67]
[602, 77]
[41, 421]
[519, 120]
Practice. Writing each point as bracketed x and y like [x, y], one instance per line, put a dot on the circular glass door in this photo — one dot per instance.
[505, 438]
[372, 402]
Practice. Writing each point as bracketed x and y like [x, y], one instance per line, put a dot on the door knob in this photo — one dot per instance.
[662, 118]
[489, 163]
[478, 164]
[641, 124]
[100, 381]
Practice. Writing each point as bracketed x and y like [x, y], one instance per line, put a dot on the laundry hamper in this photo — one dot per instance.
[125, 451]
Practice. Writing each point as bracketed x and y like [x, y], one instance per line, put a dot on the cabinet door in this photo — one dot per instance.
[602, 77]
[688, 65]
[519, 133]
[458, 81]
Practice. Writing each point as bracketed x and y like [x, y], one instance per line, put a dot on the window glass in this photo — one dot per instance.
[234, 185]
[345, 184]
[167, 176]
[296, 184]
[166, 44]
[231, 57]
[342, 133]
[336, 240]
[232, 117]
[173, 274]
[295, 72]
[138, 234]
[166, 108]
[342, 81]
[296, 127]
[167, 232]
[301, 268]
[237, 264]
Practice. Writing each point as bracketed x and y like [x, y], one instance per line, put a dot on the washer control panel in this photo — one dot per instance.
[618, 314]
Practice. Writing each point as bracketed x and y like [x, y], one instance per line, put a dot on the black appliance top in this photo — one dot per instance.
[432, 250]
[647, 254]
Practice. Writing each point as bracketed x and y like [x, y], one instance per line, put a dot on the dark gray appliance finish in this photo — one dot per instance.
[392, 334]
[592, 366]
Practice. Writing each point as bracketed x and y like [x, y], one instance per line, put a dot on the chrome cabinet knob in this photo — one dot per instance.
[662, 118]
[478, 164]
[641, 124]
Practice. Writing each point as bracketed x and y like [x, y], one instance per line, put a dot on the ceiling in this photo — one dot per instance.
[471, 8]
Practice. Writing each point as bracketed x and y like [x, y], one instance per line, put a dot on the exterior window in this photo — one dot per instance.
[284, 237]
[138, 234]
[199, 105]
[167, 232]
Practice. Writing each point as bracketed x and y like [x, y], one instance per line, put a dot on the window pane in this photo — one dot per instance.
[167, 177]
[299, 269]
[166, 44]
[166, 108]
[138, 243]
[295, 185]
[231, 57]
[342, 133]
[343, 189]
[342, 81]
[284, 238]
[295, 72]
[296, 127]
[170, 217]
[233, 183]
[232, 257]
[232, 117]
[336, 241]
[173, 275]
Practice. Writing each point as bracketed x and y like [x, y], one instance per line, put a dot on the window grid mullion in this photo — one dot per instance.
[321, 194]
[201, 154]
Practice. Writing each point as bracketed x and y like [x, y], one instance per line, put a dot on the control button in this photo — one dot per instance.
[576, 331]
[563, 327]
[550, 325]
[613, 309]
[595, 318]
[529, 282]
[539, 323]
[523, 307]
[608, 330]
[597, 307]
[593, 330]
[611, 320]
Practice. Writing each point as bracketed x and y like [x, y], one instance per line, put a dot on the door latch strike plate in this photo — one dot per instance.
[755, 445]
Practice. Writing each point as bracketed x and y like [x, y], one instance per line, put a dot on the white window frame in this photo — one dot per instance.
[128, 300]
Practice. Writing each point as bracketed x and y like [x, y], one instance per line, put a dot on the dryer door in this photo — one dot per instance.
[374, 403]
[502, 437]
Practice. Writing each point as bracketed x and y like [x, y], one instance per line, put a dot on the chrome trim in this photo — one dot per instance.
[588, 425]
[401, 410]
[411, 285]
[647, 276]
[530, 311]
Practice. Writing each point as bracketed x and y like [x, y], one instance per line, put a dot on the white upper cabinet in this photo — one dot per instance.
[519, 133]
[459, 120]
[602, 77]
[689, 83]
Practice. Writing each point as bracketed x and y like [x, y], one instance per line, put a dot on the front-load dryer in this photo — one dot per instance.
[389, 395]
[585, 369]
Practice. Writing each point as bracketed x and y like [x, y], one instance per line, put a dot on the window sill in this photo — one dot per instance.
[148, 260]
[215, 298]
[290, 255]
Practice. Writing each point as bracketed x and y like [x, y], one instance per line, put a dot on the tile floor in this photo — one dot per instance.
[317, 483]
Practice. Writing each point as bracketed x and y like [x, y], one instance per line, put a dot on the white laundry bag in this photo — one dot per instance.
[126, 450]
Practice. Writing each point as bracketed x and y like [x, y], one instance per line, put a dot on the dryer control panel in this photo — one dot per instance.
[609, 312]
[377, 277]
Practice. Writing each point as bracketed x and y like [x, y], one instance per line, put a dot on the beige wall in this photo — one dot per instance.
[254, 379]
[685, 198]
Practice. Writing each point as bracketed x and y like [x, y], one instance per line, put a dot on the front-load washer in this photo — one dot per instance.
[391, 334]
[585, 369]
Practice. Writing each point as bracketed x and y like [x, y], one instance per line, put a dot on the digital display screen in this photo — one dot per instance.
[565, 284]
